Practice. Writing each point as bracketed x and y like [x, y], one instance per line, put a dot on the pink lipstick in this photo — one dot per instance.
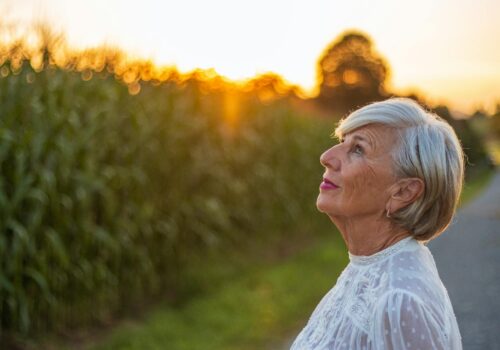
[328, 185]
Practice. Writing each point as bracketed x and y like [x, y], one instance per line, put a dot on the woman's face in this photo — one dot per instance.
[358, 173]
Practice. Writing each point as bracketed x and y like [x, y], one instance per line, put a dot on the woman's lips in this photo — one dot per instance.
[328, 185]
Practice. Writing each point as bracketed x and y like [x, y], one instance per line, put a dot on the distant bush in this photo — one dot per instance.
[477, 158]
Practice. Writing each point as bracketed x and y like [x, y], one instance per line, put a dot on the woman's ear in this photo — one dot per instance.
[405, 192]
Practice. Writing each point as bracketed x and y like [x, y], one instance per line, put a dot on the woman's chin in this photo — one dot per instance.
[322, 205]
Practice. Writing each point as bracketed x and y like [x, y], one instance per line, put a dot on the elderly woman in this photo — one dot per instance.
[390, 185]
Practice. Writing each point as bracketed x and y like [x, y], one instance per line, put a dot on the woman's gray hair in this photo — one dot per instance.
[429, 149]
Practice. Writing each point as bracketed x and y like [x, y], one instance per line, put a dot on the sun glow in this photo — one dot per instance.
[441, 48]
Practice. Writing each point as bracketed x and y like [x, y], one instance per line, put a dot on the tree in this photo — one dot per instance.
[351, 74]
[495, 122]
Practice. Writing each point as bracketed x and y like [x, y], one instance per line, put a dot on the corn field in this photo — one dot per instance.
[104, 194]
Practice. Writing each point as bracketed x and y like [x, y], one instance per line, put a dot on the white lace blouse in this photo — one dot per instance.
[393, 299]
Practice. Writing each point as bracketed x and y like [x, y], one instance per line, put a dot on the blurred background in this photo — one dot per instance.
[160, 159]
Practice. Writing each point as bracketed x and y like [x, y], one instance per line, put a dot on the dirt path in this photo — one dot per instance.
[468, 259]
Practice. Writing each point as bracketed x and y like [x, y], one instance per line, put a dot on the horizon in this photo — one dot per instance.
[453, 68]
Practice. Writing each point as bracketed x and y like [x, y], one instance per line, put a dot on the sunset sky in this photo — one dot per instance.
[447, 49]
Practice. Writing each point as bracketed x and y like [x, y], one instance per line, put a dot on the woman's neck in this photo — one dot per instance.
[368, 235]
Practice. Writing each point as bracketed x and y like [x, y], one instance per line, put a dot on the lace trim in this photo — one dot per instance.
[370, 259]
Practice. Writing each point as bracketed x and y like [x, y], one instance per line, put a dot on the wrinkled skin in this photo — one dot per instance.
[362, 168]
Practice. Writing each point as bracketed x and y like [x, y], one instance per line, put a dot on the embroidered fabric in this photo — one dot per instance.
[393, 299]
[370, 259]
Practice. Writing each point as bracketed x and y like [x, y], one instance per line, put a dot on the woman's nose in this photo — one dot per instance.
[329, 159]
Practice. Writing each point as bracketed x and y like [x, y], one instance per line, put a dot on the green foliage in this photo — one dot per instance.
[477, 158]
[106, 197]
[495, 122]
[474, 186]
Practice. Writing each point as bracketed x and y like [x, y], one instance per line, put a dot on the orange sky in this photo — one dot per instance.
[447, 49]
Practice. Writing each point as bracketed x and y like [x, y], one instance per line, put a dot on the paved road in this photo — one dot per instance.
[468, 259]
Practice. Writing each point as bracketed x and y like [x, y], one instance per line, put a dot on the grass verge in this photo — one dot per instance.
[474, 186]
[256, 310]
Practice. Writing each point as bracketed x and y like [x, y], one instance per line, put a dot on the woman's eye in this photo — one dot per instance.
[357, 149]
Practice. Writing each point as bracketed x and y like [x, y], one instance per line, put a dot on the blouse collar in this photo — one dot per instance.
[381, 255]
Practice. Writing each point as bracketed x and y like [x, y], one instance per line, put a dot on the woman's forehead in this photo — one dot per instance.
[373, 133]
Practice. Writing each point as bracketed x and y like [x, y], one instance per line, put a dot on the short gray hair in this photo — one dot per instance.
[429, 149]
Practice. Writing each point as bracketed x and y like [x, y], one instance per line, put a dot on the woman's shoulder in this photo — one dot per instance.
[415, 260]
[413, 272]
